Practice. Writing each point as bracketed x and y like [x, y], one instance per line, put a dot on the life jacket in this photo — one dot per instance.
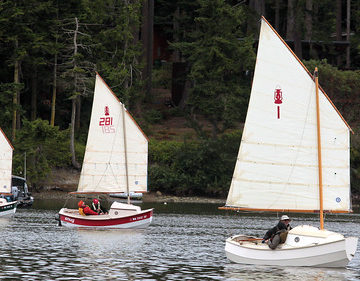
[81, 212]
[88, 211]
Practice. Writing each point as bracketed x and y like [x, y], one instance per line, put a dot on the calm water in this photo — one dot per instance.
[184, 242]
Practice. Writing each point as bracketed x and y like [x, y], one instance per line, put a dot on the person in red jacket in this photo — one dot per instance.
[86, 209]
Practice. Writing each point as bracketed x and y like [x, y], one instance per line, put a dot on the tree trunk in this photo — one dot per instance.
[147, 41]
[78, 113]
[308, 24]
[15, 95]
[176, 30]
[72, 135]
[277, 15]
[53, 100]
[33, 95]
[338, 27]
[348, 62]
[308, 20]
[18, 116]
[258, 6]
[293, 27]
[290, 23]
[73, 103]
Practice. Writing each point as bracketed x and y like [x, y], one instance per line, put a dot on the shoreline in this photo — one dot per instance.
[147, 197]
[152, 197]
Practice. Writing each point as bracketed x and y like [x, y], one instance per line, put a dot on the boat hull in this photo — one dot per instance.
[8, 209]
[335, 253]
[138, 220]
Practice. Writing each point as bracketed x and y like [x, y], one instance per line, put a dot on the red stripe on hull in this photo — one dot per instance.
[106, 222]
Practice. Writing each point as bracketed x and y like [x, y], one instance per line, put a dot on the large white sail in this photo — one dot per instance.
[277, 164]
[104, 166]
[6, 153]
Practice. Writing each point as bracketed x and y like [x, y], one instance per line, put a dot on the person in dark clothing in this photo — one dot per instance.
[96, 207]
[278, 233]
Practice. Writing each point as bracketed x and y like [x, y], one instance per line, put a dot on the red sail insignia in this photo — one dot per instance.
[106, 123]
[278, 96]
[278, 99]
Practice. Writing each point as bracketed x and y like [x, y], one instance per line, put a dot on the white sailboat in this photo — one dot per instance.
[294, 156]
[115, 161]
[7, 208]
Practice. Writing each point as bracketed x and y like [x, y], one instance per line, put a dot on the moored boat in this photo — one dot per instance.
[7, 202]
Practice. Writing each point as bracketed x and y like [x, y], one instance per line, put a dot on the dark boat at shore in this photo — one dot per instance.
[20, 192]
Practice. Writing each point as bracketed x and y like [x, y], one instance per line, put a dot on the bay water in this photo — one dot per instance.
[184, 242]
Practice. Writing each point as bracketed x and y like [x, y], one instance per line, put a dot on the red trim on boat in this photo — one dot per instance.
[106, 222]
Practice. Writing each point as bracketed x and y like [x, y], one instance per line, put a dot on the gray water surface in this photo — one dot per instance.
[184, 242]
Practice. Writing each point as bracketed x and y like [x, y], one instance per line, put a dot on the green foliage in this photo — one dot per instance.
[45, 146]
[116, 46]
[193, 168]
[153, 116]
[6, 93]
[218, 61]
[341, 86]
[161, 76]
[355, 163]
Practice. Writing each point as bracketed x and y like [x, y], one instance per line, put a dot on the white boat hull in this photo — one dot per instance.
[7, 208]
[327, 249]
[120, 216]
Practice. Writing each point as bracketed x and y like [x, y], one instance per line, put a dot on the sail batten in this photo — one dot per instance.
[108, 164]
[277, 165]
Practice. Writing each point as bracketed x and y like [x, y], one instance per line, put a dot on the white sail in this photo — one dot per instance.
[6, 153]
[277, 164]
[104, 166]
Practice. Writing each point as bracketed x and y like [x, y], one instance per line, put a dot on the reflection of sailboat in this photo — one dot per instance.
[115, 161]
[6, 153]
[284, 165]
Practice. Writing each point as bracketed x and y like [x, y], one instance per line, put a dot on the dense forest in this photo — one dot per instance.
[165, 60]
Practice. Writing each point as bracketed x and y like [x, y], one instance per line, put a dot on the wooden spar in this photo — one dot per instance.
[319, 147]
[126, 162]
[282, 210]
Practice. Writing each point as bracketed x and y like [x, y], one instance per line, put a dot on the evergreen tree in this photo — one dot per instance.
[219, 56]
[117, 50]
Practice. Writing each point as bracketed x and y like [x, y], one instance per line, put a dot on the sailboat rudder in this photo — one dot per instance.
[351, 246]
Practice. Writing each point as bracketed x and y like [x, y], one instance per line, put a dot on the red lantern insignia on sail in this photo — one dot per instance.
[278, 99]
[106, 123]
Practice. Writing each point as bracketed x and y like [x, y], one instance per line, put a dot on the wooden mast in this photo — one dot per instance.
[125, 154]
[319, 147]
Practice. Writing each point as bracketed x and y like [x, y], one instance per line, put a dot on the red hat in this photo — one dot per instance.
[81, 203]
[95, 201]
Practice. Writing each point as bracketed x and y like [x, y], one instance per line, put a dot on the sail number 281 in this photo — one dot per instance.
[106, 124]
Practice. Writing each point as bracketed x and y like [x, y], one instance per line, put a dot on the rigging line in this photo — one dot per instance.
[103, 174]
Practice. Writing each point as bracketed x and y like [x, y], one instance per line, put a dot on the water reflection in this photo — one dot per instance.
[184, 242]
[248, 272]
